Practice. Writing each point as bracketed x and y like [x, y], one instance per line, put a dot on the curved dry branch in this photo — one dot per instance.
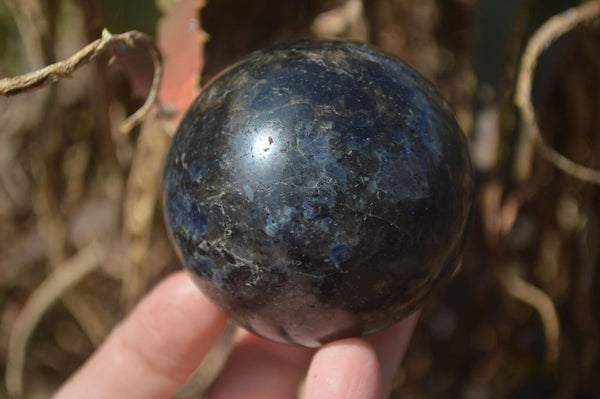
[542, 303]
[551, 30]
[55, 285]
[64, 69]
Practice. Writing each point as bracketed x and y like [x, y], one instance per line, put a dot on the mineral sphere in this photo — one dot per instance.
[318, 190]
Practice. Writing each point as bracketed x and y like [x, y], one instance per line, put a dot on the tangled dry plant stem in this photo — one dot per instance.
[139, 205]
[526, 292]
[551, 30]
[64, 69]
[55, 285]
[68, 273]
[531, 136]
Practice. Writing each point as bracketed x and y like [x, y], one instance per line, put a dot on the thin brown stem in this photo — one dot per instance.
[55, 285]
[551, 30]
[64, 69]
[526, 292]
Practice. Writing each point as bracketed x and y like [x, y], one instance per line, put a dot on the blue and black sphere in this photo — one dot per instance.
[318, 190]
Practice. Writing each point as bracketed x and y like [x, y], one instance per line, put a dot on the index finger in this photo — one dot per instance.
[155, 349]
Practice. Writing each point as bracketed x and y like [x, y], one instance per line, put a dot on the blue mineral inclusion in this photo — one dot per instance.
[313, 143]
[185, 212]
[201, 264]
[196, 169]
[340, 253]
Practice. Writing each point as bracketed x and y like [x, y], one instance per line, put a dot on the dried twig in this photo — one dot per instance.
[541, 302]
[141, 196]
[546, 34]
[64, 69]
[34, 29]
[205, 375]
[63, 278]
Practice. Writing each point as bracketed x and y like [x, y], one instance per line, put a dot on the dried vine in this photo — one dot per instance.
[551, 30]
[64, 69]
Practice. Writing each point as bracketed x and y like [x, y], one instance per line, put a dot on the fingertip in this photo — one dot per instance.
[347, 368]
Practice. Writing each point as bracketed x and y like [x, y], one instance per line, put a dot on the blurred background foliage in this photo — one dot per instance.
[70, 191]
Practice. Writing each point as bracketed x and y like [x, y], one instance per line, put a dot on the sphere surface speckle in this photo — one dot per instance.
[318, 190]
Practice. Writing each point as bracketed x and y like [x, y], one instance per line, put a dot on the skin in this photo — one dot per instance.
[157, 347]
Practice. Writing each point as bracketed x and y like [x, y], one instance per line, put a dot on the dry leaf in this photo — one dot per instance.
[181, 42]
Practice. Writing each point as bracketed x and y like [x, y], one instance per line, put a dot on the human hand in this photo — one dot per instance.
[158, 346]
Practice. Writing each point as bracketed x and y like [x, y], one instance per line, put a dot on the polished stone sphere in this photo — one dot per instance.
[318, 190]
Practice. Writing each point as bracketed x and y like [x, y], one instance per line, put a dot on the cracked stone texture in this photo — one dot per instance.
[318, 190]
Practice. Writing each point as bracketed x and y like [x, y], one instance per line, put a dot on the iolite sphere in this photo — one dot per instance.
[318, 190]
